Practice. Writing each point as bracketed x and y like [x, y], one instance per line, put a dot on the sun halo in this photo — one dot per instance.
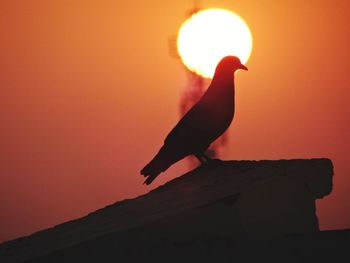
[209, 35]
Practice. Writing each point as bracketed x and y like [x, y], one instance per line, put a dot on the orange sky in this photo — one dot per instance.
[88, 92]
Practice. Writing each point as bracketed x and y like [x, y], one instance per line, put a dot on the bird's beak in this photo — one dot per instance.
[243, 67]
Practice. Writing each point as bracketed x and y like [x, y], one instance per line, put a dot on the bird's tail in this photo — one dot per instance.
[162, 161]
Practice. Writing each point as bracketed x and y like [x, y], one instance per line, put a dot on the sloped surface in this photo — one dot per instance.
[229, 199]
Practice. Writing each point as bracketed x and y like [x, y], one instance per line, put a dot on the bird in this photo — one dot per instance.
[207, 120]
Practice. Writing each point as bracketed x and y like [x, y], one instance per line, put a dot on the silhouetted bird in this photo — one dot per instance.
[202, 124]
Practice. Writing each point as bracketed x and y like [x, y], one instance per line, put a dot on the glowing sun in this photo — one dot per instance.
[208, 36]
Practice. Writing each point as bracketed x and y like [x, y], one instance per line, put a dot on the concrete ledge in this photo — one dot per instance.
[239, 200]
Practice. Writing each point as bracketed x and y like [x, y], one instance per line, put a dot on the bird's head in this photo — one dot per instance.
[230, 64]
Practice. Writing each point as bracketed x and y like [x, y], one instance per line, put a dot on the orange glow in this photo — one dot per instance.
[208, 36]
[88, 92]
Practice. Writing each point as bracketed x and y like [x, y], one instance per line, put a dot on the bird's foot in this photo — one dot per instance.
[212, 163]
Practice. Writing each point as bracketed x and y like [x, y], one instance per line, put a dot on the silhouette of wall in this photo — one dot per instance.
[236, 200]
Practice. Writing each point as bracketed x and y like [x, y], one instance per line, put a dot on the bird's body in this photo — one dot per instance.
[207, 120]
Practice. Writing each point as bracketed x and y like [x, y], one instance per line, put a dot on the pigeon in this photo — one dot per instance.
[207, 120]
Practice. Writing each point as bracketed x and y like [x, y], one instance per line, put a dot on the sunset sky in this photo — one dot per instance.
[88, 92]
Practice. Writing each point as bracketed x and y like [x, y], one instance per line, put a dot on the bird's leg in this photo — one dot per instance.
[201, 158]
[206, 158]
[208, 162]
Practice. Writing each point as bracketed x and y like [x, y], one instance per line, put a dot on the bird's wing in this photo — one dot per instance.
[192, 128]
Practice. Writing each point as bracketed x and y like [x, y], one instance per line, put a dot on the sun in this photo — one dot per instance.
[209, 35]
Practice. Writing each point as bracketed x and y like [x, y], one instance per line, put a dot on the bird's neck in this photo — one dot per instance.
[224, 83]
